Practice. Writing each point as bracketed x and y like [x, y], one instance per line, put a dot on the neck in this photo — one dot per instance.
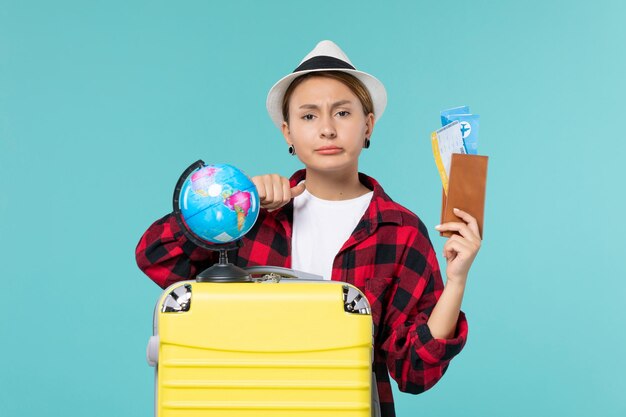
[334, 185]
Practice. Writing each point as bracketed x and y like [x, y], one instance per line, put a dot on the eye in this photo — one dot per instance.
[343, 113]
[308, 116]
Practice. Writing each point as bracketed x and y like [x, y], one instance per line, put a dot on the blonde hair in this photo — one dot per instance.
[350, 81]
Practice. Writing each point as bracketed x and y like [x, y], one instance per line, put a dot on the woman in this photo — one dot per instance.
[332, 220]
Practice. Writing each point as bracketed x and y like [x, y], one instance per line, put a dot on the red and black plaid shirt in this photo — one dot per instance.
[388, 256]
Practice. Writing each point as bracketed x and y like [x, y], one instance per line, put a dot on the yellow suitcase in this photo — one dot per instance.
[271, 347]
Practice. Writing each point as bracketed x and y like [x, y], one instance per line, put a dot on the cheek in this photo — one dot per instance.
[299, 132]
[357, 132]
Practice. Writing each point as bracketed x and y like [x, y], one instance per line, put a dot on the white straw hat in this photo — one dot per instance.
[326, 56]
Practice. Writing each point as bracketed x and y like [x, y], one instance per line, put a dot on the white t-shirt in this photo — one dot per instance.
[320, 228]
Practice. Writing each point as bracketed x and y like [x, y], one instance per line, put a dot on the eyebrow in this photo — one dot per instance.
[334, 105]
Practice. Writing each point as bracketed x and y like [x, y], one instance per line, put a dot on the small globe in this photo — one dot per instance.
[218, 203]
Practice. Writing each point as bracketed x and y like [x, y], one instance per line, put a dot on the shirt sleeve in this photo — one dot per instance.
[166, 255]
[417, 360]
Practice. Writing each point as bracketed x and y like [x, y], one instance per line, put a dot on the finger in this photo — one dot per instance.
[458, 244]
[458, 247]
[297, 190]
[449, 254]
[469, 219]
[471, 246]
[455, 248]
[286, 191]
[274, 183]
[462, 228]
[277, 185]
[269, 189]
[260, 186]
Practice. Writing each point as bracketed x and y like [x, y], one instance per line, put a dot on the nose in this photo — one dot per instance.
[328, 128]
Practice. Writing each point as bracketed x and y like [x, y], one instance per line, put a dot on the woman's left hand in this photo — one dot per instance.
[460, 249]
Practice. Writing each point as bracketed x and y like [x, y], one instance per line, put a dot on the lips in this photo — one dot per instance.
[329, 150]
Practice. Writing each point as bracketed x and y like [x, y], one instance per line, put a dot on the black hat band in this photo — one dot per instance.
[323, 62]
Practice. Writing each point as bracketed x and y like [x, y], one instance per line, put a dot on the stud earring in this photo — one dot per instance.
[366, 144]
[292, 150]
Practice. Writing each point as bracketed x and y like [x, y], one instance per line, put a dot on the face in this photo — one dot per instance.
[327, 125]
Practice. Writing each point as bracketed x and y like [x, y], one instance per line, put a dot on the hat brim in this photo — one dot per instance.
[274, 102]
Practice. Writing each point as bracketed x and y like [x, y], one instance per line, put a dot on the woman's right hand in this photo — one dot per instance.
[275, 191]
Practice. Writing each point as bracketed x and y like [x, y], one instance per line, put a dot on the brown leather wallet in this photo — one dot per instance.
[466, 189]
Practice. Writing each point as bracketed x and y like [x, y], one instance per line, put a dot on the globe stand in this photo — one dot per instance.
[223, 271]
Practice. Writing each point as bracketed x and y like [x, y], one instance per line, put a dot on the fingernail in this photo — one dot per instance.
[438, 226]
[456, 209]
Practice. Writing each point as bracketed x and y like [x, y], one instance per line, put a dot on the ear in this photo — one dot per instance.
[369, 125]
[284, 128]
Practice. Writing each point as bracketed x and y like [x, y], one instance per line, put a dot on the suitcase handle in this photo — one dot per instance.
[283, 272]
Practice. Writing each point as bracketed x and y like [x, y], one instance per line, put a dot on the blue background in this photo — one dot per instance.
[103, 104]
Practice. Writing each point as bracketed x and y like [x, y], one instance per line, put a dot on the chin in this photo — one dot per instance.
[332, 166]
